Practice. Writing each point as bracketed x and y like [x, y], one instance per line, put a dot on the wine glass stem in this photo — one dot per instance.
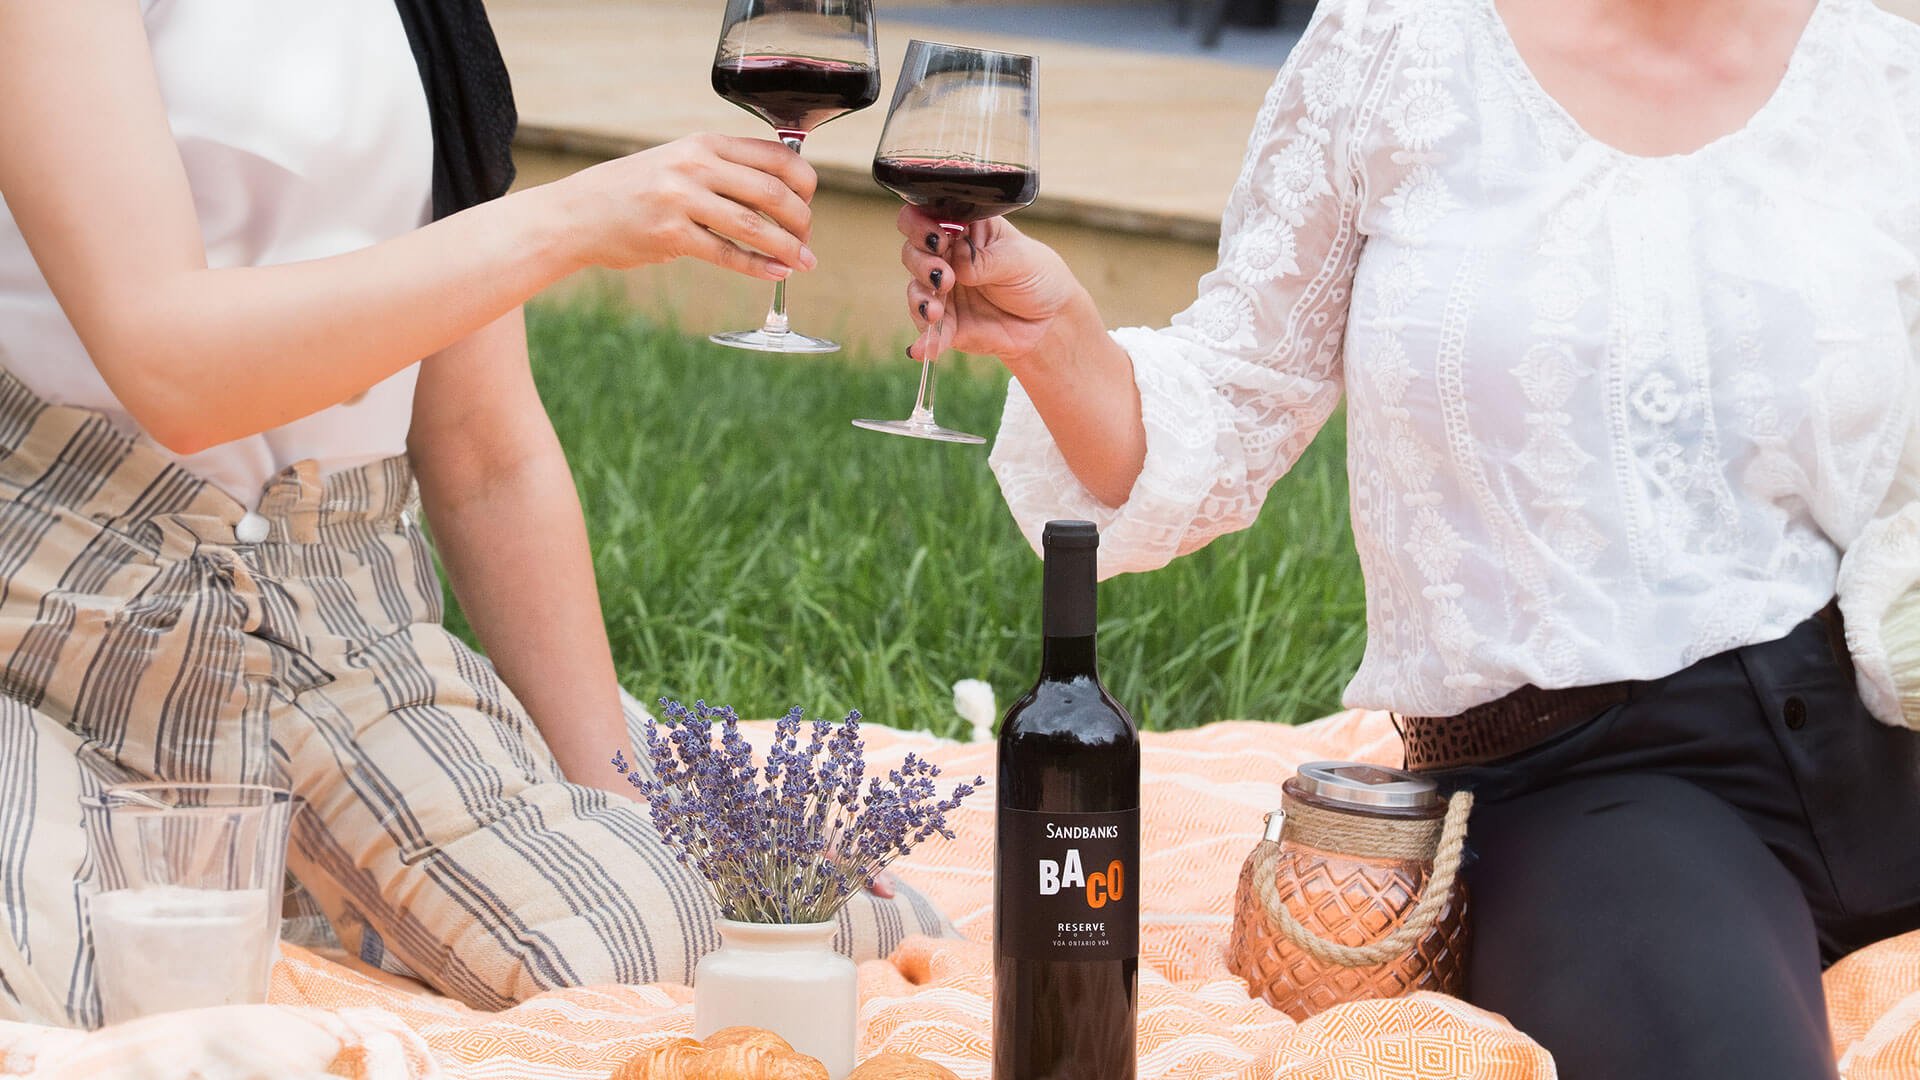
[923, 402]
[777, 314]
[930, 343]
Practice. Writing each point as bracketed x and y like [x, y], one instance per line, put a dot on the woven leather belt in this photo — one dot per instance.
[1530, 716]
[1520, 721]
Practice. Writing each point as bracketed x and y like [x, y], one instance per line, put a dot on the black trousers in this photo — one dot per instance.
[1656, 892]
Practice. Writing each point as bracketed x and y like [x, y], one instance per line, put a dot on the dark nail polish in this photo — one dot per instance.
[936, 276]
[909, 352]
[933, 242]
[923, 309]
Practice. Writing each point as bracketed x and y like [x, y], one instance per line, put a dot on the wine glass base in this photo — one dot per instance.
[778, 341]
[920, 429]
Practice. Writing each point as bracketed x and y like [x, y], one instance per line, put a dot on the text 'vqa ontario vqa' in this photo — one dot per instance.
[1066, 873]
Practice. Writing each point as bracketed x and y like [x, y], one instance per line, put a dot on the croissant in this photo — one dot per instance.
[748, 1036]
[745, 1053]
[667, 1059]
[900, 1067]
[729, 1054]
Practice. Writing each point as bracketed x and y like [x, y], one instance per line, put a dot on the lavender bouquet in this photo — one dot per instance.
[790, 840]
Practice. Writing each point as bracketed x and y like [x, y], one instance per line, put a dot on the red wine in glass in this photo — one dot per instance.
[961, 143]
[795, 64]
[795, 94]
[958, 192]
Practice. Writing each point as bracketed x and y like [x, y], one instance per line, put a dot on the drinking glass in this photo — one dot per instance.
[962, 144]
[186, 912]
[795, 64]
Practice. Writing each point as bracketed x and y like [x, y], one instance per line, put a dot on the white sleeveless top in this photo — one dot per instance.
[305, 133]
[1606, 414]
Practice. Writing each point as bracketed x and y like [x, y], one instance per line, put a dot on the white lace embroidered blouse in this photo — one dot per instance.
[1607, 414]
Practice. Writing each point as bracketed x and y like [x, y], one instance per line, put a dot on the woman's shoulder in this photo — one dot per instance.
[1888, 39]
[1369, 41]
[1889, 30]
[1898, 18]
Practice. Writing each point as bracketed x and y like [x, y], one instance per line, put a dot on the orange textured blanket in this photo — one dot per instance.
[1207, 791]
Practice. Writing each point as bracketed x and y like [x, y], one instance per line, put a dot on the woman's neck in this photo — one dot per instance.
[1656, 77]
[1730, 27]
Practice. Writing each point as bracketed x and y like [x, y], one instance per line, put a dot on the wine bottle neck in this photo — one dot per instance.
[1066, 658]
[1070, 611]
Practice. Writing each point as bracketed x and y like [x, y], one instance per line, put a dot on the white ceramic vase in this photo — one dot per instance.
[786, 979]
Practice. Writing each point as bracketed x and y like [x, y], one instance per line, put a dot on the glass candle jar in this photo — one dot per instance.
[1349, 856]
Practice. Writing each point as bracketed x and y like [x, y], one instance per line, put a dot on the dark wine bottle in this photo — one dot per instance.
[1066, 912]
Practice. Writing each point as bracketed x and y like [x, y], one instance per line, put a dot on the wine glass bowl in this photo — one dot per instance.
[795, 94]
[956, 193]
[795, 64]
[962, 143]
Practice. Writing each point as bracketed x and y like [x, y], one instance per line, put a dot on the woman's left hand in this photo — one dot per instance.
[1003, 289]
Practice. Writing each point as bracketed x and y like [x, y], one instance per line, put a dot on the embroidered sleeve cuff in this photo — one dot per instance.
[1182, 468]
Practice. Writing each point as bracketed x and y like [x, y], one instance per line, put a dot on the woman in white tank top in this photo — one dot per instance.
[232, 329]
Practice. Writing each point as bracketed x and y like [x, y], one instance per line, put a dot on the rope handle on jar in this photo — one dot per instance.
[1426, 912]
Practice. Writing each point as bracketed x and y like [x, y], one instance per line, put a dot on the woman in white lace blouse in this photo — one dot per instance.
[1623, 298]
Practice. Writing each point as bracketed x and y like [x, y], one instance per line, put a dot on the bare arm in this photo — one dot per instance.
[507, 524]
[508, 527]
[1082, 383]
[90, 172]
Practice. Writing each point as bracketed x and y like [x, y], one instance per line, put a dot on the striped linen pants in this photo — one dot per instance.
[139, 639]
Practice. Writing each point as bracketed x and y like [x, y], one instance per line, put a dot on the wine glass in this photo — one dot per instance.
[795, 64]
[961, 143]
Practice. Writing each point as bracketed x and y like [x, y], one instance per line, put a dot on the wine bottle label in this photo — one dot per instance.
[1069, 885]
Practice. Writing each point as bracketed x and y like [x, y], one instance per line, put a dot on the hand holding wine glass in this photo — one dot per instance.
[1003, 293]
[795, 64]
[960, 144]
[993, 290]
[741, 204]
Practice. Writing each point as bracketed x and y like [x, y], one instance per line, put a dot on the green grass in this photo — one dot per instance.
[753, 548]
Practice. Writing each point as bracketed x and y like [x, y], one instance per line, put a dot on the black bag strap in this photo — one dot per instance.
[469, 98]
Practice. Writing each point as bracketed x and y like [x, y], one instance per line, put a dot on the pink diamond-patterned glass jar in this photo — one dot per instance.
[1349, 857]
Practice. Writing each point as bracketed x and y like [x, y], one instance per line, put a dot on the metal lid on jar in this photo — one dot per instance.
[1367, 787]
